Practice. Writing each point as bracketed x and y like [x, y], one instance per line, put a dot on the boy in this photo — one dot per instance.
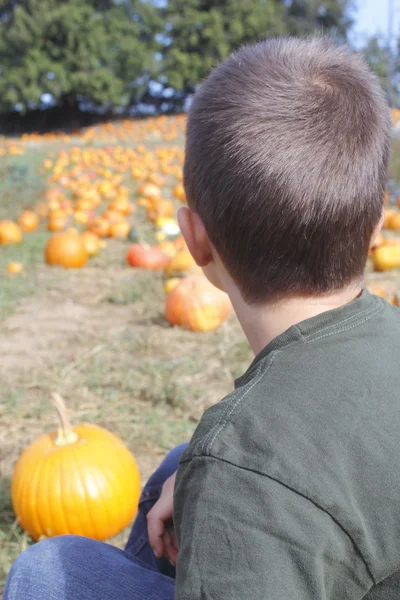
[290, 486]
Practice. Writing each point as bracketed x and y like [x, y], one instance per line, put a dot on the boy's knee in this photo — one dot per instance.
[37, 572]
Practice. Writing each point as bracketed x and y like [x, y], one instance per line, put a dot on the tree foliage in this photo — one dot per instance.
[91, 50]
[200, 33]
[103, 53]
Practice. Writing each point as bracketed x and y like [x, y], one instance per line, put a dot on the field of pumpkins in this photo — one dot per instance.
[103, 308]
[106, 320]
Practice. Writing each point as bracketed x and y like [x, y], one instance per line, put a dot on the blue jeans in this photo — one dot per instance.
[71, 567]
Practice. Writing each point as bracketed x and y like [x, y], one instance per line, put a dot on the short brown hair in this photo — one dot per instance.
[286, 160]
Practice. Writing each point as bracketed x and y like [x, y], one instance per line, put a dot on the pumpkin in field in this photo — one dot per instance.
[197, 305]
[171, 283]
[14, 267]
[394, 221]
[28, 220]
[149, 190]
[100, 227]
[58, 219]
[10, 233]
[179, 192]
[168, 248]
[80, 480]
[386, 257]
[387, 215]
[91, 242]
[66, 250]
[112, 216]
[122, 205]
[168, 229]
[160, 209]
[120, 229]
[182, 262]
[147, 257]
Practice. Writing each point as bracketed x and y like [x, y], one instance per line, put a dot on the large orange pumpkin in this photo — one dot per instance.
[147, 257]
[10, 233]
[66, 250]
[28, 220]
[197, 305]
[80, 480]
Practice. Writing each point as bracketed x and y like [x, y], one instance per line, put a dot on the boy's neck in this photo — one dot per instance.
[264, 322]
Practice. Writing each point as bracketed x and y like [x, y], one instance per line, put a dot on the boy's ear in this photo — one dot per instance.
[377, 230]
[195, 236]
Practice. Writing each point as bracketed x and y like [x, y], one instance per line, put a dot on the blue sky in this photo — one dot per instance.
[371, 17]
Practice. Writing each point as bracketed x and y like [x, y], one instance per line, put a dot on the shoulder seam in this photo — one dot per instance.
[237, 398]
[367, 318]
[287, 486]
[351, 318]
[227, 413]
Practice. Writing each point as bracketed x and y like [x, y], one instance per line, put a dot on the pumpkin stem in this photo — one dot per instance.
[65, 434]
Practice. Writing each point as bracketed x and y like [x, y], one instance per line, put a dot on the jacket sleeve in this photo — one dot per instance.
[245, 536]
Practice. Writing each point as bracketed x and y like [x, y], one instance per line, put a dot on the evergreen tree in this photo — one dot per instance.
[92, 51]
[200, 33]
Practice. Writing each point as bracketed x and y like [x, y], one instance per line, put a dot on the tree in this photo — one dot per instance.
[307, 16]
[376, 56]
[200, 33]
[98, 52]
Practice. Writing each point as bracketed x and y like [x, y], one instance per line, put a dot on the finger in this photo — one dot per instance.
[170, 550]
[155, 530]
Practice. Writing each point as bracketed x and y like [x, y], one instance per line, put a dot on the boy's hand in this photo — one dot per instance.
[160, 526]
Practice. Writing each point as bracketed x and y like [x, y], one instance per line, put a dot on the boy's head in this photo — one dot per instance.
[285, 169]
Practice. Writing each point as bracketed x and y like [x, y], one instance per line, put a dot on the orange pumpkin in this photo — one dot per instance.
[182, 262]
[80, 480]
[91, 242]
[394, 221]
[147, 257]
[112, 215]
[168, 248]
[149, 190]
[66, 250]
[170, 284]
[121, 205]
[386, 257]
[179, 192]
[100, 227]
[56, 223]
[387, 215]
[120, 229]
[14, 267]
[160, 209]
[197, 305]
[28, 220]
[10, 233]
